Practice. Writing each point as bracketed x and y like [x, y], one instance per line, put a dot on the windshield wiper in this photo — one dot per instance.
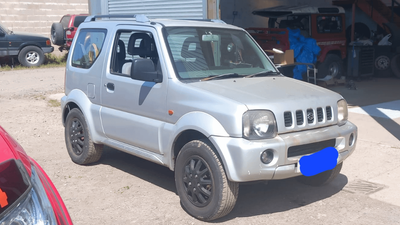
[226, 75]
[264, 73]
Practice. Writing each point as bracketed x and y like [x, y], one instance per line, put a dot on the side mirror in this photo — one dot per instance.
[143, 69]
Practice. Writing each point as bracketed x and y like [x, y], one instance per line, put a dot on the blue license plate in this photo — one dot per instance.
[318, 162]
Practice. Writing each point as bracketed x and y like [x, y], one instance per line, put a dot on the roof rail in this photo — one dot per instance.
[139, 17]
[206, 20]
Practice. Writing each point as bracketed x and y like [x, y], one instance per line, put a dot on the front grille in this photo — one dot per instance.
[320, 115]
[288, 119]
[310, 116]
[299, 117]
[310, 148]
[328, 113]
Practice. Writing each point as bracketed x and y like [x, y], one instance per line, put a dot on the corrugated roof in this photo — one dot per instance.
[280, 11]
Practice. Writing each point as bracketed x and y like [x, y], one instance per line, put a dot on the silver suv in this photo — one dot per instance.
[202, 98]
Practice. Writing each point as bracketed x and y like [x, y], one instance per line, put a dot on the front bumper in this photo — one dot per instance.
[48, 49]
[241, 157]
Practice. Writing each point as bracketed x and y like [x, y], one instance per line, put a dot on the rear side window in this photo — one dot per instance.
[329, 24]
[78, 20]
[65, 21]
[88, 47]
[129, 45]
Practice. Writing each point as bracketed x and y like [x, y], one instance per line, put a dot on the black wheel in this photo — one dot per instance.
[201, 182]
[31, 56]
[322, 178]
[395, 65]
[333, 65]
[80, 147]
[57, 34]
[382, 66]
[382, 62]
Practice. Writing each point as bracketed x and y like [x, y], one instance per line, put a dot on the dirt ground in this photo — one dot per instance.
[123, 189]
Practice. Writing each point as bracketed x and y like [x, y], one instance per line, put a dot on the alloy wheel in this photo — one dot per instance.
[77, 136]
[32, 57]
[198, 181]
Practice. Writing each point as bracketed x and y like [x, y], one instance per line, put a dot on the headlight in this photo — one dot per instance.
[342, 112]
[32, 207]
[259, 125]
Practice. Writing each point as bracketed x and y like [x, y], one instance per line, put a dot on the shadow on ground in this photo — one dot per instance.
[280, 196]
[143, 169]
[374, 91]
[254, 198]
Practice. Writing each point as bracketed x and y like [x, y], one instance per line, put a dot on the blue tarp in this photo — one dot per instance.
[305, 50]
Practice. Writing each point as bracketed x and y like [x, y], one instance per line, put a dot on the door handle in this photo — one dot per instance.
[109, 86]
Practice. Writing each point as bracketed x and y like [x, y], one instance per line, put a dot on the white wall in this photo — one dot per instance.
[36, 16]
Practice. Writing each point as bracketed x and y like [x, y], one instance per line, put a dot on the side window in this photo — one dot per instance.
[88, 47]
[329, 24]
[129, 45]
[65, 21]
[78, 20]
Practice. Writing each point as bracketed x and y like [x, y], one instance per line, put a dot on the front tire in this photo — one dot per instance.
[333, 65]
[80, 147]
[31, 56]
[322, 178]
[201, 182]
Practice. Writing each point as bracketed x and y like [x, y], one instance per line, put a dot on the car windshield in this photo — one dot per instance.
[4, 28]
[206, 53]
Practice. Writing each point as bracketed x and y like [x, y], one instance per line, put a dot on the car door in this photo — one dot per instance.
[133, 110]
[3, 42]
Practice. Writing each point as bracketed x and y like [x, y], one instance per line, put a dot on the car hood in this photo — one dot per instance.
[273, 93]
[27, 36]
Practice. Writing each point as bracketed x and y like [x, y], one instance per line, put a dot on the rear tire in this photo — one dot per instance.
[333, 65]
[201, 182]
[57, 34]
[322, 178]
[80, 147]
[382, 65]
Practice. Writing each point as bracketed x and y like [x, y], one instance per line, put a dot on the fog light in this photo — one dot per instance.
[351, 140]
[267, 156]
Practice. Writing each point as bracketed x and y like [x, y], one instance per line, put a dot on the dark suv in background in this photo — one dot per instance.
[63, 33]
[29, 48]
